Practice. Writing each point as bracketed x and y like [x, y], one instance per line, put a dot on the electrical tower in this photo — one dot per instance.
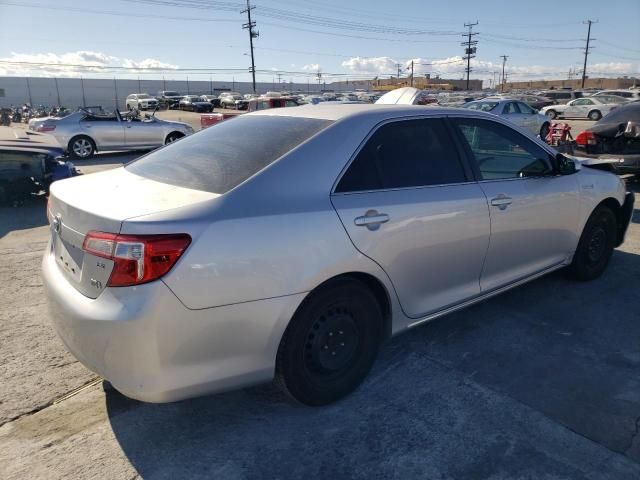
[250, 26]
[470, 49]
[504, 79]
[586, 51]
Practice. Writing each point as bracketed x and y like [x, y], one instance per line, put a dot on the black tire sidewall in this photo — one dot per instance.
[75, 139]
[581, 268]
[315, 390]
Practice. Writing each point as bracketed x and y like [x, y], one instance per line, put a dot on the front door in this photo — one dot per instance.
[534, 212]
[107, 132]
[141, 134]
[408, 203]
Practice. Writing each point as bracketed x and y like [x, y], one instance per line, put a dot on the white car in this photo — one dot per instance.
[141, 101]
[592, 108]
[631, 94]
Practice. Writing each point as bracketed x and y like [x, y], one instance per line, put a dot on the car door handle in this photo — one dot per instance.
[371, 220]
[501, 201]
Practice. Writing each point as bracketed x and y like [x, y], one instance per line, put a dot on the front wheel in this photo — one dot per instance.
[595, 115]
[330, 344]
[595, 246]
[552, 114]
[172, 137]
[82, 147]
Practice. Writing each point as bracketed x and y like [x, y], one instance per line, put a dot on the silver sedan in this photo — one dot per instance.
[85, 132]
[290, 243]
[518, 113]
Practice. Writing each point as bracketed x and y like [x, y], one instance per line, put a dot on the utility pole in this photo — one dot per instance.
[279, 75]
[398, 65]
[586, 51]
[504, 61]
[470, 49]
[84, 100]
[411, 73]
[319, 76]
[29, 91]
[139, 86]
[250, 26]
[57, 89]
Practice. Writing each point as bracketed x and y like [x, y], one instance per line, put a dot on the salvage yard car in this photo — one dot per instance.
[83, 133]
[217, 262]
[516, 112]
[141, 101]
[194, 103]
[589, 107]
[616, 137]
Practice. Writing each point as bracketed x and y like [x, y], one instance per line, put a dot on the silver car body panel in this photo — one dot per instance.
[216, 319]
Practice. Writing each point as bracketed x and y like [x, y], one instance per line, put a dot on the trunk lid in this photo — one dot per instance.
[102, 202]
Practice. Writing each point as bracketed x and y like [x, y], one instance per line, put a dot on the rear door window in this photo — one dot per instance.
[223, 156]
[401, 154]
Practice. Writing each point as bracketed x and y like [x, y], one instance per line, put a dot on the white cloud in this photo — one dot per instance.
[312, 67]
[71, 64]
[377, 65]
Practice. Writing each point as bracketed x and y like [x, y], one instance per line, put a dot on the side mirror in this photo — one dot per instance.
[564, 165]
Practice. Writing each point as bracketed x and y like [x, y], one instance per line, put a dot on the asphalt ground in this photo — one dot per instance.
[540, 382]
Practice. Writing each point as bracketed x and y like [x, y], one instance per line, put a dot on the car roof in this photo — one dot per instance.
[337, 111]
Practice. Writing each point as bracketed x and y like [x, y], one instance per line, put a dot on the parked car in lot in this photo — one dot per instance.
[212, 99]
[218, 262]
[534, 101]
[632, 94]
[589, 107]
[233, 100]
[210, 119]
[83, 133]
[169, 98]
[561, 96]
[264, 103]
[28, 168]
[514, 111]
[193, 103]
[141, 101]
[615, 137]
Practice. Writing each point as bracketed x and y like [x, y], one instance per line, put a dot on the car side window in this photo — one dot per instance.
[524, 108]
[407, 153]
[502, 153]
[511, 107]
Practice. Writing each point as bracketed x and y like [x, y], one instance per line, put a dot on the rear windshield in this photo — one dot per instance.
[226, 154]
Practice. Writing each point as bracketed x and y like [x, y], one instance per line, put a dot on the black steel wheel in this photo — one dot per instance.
[595, 246]
[330, 344]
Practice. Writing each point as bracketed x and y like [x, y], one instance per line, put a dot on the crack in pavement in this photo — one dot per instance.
[55, 401]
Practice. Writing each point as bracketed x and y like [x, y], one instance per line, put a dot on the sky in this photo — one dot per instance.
[355, 39]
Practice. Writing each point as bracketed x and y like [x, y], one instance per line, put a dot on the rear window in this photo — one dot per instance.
[226, 154]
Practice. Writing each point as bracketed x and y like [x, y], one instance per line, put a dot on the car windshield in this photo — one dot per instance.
[171, 94]
[193, 98]
[483, 106]
[143, 95]
[225, 155]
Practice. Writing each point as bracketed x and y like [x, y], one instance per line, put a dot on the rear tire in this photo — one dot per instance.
[595, 246]
[595, 115]
[552, 114]
[330, 344]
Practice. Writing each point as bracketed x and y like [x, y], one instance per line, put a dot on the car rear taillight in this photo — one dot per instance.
[45, 128]
[137, 258]
[586, 138]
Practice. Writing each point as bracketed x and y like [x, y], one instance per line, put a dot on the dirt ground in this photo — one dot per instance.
[541, 382]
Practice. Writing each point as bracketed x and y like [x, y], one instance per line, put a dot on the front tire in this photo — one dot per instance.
[552, 114]
[82, 147]
[330, 344]
[595, 246]
[595, 115]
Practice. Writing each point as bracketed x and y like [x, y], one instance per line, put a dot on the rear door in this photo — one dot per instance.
[533, 212]
[410, 204]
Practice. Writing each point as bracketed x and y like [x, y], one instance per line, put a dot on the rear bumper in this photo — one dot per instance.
[152, 348]
[626, 163]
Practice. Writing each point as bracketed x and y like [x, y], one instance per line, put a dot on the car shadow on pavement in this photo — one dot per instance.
[30, 212]
[542, 381]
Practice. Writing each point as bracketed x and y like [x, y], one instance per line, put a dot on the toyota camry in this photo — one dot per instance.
[290, 243]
